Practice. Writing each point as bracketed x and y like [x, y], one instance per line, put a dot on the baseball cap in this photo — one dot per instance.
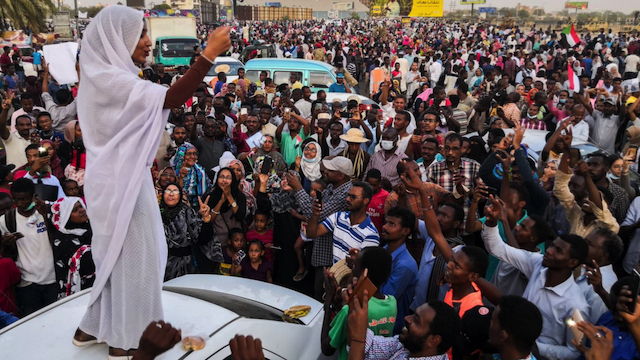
[340, 75]
[5, 170]
[324, 116]
[609, 100]
[475, 329]
[258, 92]
[336, 100]
[339, 163]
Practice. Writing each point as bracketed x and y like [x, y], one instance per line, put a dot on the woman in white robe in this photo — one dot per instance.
[122, 118]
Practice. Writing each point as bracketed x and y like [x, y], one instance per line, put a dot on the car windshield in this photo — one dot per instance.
[178, 47]
[233, 68]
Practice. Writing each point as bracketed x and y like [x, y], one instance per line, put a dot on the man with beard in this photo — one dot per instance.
[351, 229]
[428, 334]
[399, 224]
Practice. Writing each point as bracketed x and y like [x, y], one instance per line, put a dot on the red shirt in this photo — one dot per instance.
[376, 209]
[9, 276]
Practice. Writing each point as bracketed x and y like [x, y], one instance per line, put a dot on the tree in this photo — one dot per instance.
[355, 15]
[91, 11]
[163, 6]
[523, 14]
[25, 14]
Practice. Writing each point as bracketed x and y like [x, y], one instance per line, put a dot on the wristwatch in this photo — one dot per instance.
[234, 204]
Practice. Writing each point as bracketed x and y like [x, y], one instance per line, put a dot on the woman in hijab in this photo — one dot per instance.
[246, 187]
[228, 205]
[595, 65]
[70, 235]
[477, 79]
[123, 118]
[310, 163]
[166, 176]
[190, 236]
[191, 175]
[57, 169]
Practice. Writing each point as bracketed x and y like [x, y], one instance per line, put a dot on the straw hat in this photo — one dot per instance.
[354, 136]
[224, 68]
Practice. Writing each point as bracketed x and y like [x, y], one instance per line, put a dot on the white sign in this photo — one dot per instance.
[333, 14]
[61, 59]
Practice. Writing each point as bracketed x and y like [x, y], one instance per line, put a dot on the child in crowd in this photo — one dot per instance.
[255, 266]
[233, 253]
[261, 233]
[316, 186]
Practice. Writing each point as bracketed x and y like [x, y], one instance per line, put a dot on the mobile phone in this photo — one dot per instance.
[380, 112]
[364, 107]
[202, 113]
[319, 196]
[43, 152]
[417, 132]
[267, 164]
[574, 156]
[345, 114]
[572, 323]
[243, 111]
[401, 168]
[287, 113]
[501, 154]
[635, 291]
[241, 256]
[275, 247]
[632, 151]
[364, 284]
[492, 191]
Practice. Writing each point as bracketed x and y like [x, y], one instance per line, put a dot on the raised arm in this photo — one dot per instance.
[182, 90]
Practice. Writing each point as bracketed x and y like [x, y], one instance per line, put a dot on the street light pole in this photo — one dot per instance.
[75, 4]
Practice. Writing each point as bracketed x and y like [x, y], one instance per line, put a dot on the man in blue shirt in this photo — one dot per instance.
[339, 86]
[399, 224]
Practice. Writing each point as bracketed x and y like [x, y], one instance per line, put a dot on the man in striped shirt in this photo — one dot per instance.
[351, 229]
[531, 120]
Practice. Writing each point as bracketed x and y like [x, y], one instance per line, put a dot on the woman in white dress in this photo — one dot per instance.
[122, 118]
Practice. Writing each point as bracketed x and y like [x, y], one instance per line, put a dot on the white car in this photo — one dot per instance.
[343, 97]
[215, 307]
[234, 65]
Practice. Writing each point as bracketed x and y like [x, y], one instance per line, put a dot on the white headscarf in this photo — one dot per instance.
[122, 119]
[61, 211]
[311, 167]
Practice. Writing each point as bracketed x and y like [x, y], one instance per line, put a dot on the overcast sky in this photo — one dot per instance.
[625, 6]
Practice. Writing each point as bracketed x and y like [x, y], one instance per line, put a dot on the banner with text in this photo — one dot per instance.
[427, 8]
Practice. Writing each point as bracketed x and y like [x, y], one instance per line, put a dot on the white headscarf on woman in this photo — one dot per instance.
[311, 167]
[61, 211]
[122, 119]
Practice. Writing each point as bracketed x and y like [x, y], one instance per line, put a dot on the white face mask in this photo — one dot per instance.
[386, 144]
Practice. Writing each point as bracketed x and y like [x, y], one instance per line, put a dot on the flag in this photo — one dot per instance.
[571, 36]
[82, 15]
[574, 82]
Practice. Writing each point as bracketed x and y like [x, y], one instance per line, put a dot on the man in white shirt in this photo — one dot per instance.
[631, 63]
[27, 109]
[24, 232]
[413, 79]
[580, 128]
[63, 113]
[435, 70]
[304, 104]
[551, 283]
[15, 142]
[605, 247]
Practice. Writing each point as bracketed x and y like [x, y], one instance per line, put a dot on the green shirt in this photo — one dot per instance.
[290, 148]
[382, 318]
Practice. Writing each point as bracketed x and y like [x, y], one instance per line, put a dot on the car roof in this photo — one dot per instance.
[226, 59]
[268, 63]
[343, 97]
[187, 305]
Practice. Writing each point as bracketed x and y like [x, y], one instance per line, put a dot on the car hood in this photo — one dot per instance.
[47, 333]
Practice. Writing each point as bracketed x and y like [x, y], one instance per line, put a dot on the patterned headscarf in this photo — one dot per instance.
[178, 160]
[61, 212]
[196, 182]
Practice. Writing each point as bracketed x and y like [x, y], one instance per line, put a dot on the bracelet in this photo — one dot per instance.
[428, 208]
[215, 212]
[206, 58]
[359, 341]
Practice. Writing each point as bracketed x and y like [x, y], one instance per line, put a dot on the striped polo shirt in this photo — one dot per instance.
[346, 236]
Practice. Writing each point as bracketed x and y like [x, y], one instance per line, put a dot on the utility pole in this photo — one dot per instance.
[75, 4]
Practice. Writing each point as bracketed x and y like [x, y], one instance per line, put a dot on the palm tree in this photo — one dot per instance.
[25, 14]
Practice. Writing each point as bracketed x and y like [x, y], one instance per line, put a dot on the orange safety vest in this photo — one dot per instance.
[377, 77]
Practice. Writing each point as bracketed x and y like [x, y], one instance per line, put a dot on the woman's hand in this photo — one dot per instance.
[184, 171]
[6, 105]
[219, 42]
[205, 210]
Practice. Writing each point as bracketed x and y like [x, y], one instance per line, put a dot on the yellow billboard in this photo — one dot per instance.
[427, 8]
[376, 10]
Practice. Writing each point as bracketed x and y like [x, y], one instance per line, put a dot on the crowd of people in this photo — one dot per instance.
[476, 242]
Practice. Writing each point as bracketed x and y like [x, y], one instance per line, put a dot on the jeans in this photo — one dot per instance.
[34, 297]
